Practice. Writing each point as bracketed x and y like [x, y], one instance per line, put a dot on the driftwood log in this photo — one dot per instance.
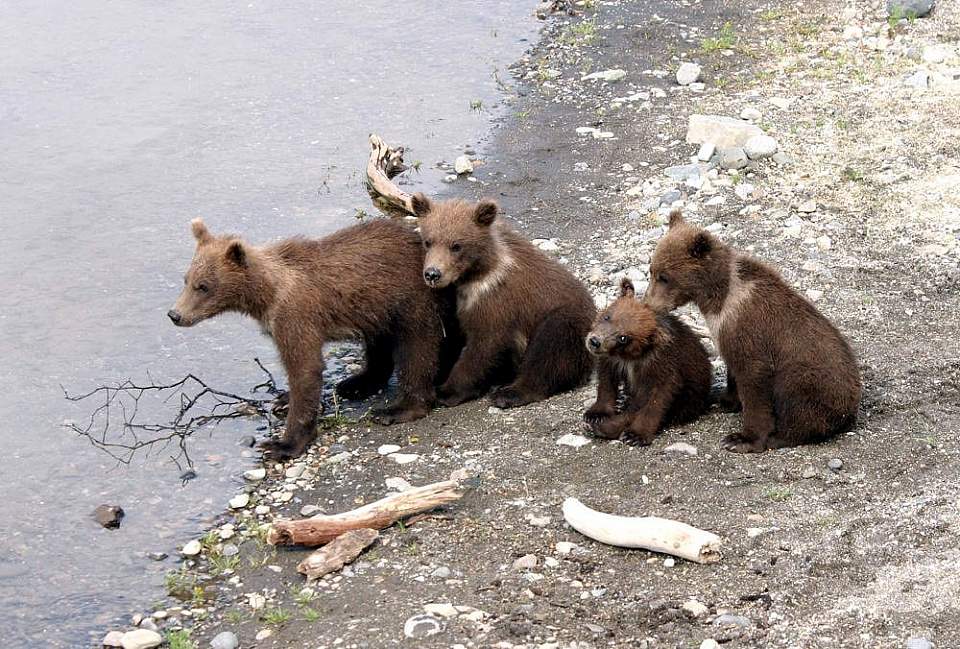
[377, 515]
[385, 163]
[337, 553]
[649, 533]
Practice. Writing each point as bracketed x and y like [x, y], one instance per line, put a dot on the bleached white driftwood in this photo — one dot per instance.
[383, 164]
[648, 532]
[337, 553]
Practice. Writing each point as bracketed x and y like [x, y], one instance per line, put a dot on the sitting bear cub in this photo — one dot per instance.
[362, 282]
[664, 369]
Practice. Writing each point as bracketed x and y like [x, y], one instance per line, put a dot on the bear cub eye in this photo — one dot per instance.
[456, 247]
[622, 339]
[662, 278]
[203, 288]
[427, 243]
[606, 318]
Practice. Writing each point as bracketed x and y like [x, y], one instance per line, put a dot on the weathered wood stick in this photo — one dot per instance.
[649, 533]
[337, 553]
[385, 163]
[377, 515]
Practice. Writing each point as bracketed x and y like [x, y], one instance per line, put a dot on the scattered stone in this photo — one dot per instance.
[808, 472]
[574, 440]
[610, 76]
[526, 562]
[310, 510]
[586, 130]
[835, 464]
[248, 441]
[255, 475]
[669, 562]
[225, 640]
[688, 73]
[760, 146]
[918, 643]
[421, 626]
[295, 471]
[697, 86]
[683, 173]
[670, 197]
[547, 245]
[709, 643]
[141, 639]
[707, 149]
[191, 549]
[445, 610]
[919, 79]
[397, 484]
[387, 449]
[449, 178]
[935, 54]
[263, 634]
[743, 191]
[256, 601]
[229, 550]
[157, 556]
[908, 8]
[404, 458]
[538, 521]
[695, 609]
[782, 159]
[108, 515]
[442, 572]
[751, 114]
[807, 207]
[463, 165]
[733, 158]
[723, 132]
[565, 547]
[852, 33]
[261, 510]
[824, 243]
[732, 620]
[113, 639]
[783, 103]
[681, 447]
[239, 501]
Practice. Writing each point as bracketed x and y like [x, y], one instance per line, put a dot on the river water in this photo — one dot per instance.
[121, 121]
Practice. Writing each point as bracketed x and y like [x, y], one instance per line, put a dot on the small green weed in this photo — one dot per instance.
[310, 615]
[180, 639]
[276, 616]
[725, 39]
[778, 494]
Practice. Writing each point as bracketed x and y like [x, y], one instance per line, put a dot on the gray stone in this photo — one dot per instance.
[421, 626]
[108, 515]
[526, 562]
[733, 158]
[688, 73]
[724, 132]
[751, 114]
[733, 620]
[610, 76]
[782, 159]
[908, 8]
[808, 472]
[807, 207]
[682, 448]
[680, 173]
[230, 550]
[707, 149]
[442, 572]
[157, 556]
[760, 146]
[918, 643]
[247, 440]
[141, 639]
[671, 196]
[225, 640]
[113, 639]
[835, 464]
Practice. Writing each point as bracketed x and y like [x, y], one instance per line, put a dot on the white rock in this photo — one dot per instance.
[610, 76]
[716, 200]
[760, 146]
[852, 33]
[538, 521]
[750, 113]
[585, 130]
[463, 165]
[256, 601]
[669, 562]
[807, 207]
[688, 73]
[239, 501]
[113, 639]
[574, 440]
[602, 135]
[709, 643]
[706, 151]
[310, 510]
[783, 103]
[935, 54]
[404, 458]
[387, 449]
[919, 79]
[723, 132]
[697, 86]
[446, 610]
[225, 640]
[743, 191]
[191, 549]
[547, 245]
[824, 242]
[397, 484]
[261, 509]
[263, 634]
[255, 475]
[526, 562]
[681, 447]
[565, 547]
[695, 608]
[141, 639]
[814, 294]
[421, 626]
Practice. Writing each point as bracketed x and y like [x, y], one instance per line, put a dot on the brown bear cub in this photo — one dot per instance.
[790, 370]
[522, 314]
[662, 365]
[363, 282]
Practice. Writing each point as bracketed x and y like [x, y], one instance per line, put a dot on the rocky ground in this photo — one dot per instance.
[853, 543]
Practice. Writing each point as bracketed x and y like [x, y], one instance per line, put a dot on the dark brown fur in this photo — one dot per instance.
[363, 282]
[664, 369]
[523, 315]
[790, 370]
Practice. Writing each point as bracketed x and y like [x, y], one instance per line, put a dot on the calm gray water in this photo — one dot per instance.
[120, 121]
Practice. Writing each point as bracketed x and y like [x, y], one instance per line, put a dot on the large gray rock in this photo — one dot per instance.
[723, 132]
[760, 146]
[141, 639]
[908, 8]
[225, 640]
[733, 158]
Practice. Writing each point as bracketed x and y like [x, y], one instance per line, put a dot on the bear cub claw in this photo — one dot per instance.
[509, 397]
[739, 443]
[282, 450]
[357, 387]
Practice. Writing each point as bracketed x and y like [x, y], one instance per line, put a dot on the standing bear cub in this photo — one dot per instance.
[362, 282]
[790, 370]
[522, 314]
[663, 367]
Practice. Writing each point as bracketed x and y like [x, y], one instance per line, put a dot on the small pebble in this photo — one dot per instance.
[835, 464]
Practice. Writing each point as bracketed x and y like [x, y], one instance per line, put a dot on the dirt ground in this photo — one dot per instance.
[865, 555]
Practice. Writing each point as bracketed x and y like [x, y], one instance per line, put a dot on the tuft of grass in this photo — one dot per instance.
[219, 563]
[276, 616]
[581, 33]
[235, 616]
[778, 494]
[180, 639]
[304, 596]
[179, 584]
[310, 615]
[725, 39]
[476, 105]
[852, 175]
[771, 14]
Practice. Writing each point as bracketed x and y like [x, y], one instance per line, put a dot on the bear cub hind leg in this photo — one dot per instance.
[376, 374]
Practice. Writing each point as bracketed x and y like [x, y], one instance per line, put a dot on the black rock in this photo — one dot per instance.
[909, 8]
[108, 515]
[248, 441]
[157, 556]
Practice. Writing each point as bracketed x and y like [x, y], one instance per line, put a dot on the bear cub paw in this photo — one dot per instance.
[282, 450]
[740, 443]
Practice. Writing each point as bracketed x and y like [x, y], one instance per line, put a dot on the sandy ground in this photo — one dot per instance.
[862, 556]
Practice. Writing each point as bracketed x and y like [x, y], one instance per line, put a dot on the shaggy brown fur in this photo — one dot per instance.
[522, 314]
[363, 282]
[793, 373]
[664, 369]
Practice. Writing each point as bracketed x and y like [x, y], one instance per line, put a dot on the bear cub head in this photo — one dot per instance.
[459, 241]
[216, 280]
[684, 262]
[626, 330]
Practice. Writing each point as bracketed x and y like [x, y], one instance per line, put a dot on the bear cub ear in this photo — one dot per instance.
[676, 218]
[486, 212]
[421, 204]
[200, 231]
[626, 288]
[236, 253]
[700, 246]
